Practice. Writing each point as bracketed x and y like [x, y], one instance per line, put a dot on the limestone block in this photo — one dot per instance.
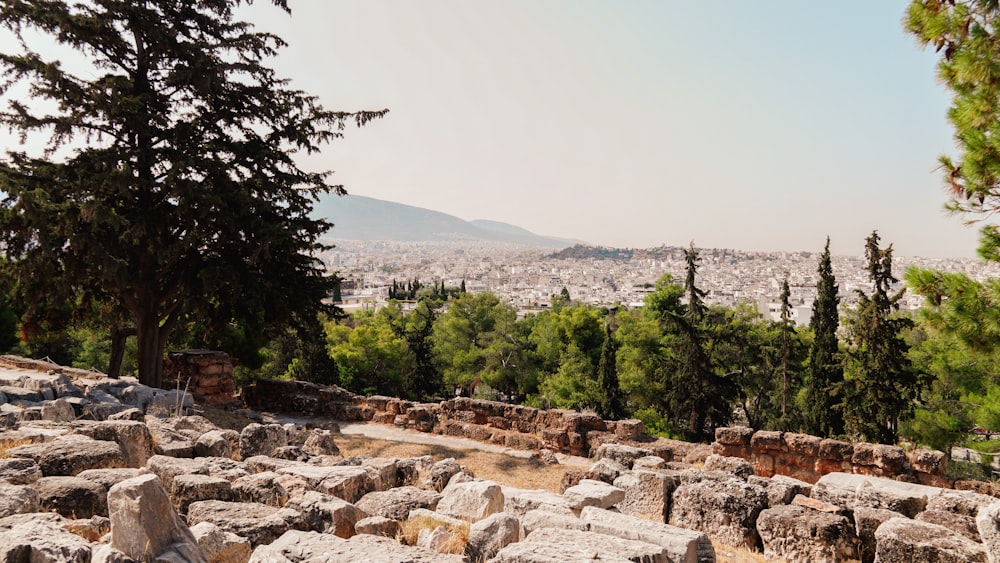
[851, 491]
[988, 523]
[213, 443]
[262, 463]
[19, 470]
[593, 493]
[166, 468]
[737, 466]
[347, 482]
[959, 523]
[134, 439]
[967, 503]
[261, 439]
[439, 474]
[258, 523]
[225, 467]
[931, 462]
[606, 470]
[901, 540]
[725, 510]
[320, 442]
[42, 542]
[681, 545]
[17, 499]
[219, 545]
[781, 489]
[625, 455]
[647, 494]
[169, 442]
[386, 473]
[520, 501]
[264, 488]
[72, 497]
[866, 521]
[145, 526]
[796, 533]
[297, 546]
[630, 429]
[73, 453]
[550, 545]
[192, 488]
[59, 410]
[473, 500]
[397, 503]
[378, 526]
[649, 462]
[327, 514]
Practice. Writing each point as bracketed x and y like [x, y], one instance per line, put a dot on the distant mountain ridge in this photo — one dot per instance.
[358, 217]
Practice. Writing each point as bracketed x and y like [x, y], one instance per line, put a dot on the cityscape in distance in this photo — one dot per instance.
[378, 243]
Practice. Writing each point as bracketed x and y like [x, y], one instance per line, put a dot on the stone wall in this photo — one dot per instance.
[809, 457]
[206, 374]
[512, 426]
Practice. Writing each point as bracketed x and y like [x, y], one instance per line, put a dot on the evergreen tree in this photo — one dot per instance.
[426, 379]
[787, 329]
[612, 404]
[169, 186]
[823, 404]
[883, 385]
[461, 288]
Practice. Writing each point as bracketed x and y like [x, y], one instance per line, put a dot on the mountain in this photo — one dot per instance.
[358, 217]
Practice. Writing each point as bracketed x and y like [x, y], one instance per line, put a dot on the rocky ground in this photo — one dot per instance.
[103, 470]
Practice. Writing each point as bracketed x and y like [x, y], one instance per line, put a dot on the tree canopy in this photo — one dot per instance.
[168, 185]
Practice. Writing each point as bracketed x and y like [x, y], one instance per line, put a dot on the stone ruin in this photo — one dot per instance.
[101, 470]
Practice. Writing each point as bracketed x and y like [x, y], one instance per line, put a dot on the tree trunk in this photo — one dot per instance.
[118, 338]
[150, 352]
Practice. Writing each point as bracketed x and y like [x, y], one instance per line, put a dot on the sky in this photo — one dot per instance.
[765, 125]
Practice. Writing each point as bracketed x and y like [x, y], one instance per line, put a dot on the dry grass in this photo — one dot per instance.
[726, 554]
[225, 419]
[502, 468]
[459, 535]
[6, 445]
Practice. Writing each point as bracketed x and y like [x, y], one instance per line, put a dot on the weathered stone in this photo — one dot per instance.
[71, 454]
[59, 410]
[795, 533]
[681, 545]
[261, 439]
[725, 510]
[931, 462]
[649, 462]
[437, 539]
[347, 482]
[71, 496]
[851, 491]
[104, 553]
[137, 396]
[397, 503]
[378, 526]
[647, 494]
[132, 437]
[320, 442]
[734, 436]
[327, 514]
[19, 471]
[219, 545]
[737, 466]
[473, 500]
[572, 477]
[169, 442]
[966, 503]
[625, 455]
[17, 499]
[192, 488]
[264, 488]
[491, 534]
[145, 526]
[213, 443]
[549, 545]
[262, 463]
[901, 540]
[127, 414]
[313, 547]
[91, 529]
[520, 501]
[965, 525]
[293, 453]
[169, 403]
[42, 542]
[386, 473]
[440, 473]
[781, 489]
[630, 429]
[988, 523]
[550, 518]
[592, 493]
[259, 523]
[866, 521]
[225, 467]
[166, 468]
[434, 519]
[606, 470]
[695, 475]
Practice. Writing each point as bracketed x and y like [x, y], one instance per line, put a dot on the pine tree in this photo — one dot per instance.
[824, 414]
[170, 187]
[883, 384]
[787, 328]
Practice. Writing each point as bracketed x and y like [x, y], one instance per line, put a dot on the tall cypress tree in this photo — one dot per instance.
[785, 343]
[824, 414]
[883, 385]
[612, 405]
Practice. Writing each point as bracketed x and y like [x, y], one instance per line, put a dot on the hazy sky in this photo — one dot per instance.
[758, 125]
[761, 125]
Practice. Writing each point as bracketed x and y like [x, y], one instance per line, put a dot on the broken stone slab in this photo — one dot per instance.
[491, 534]
[439, 474]
[327, 514]
[625, 455]
[606, 470]
[261, 439]
[725, 510]
[520, 501]
[145, 526]
[19, 470]
[988, 523]
[378, 526]
[472, 500]
[649, 462]
[73, 453]
[259, 523]
[320, 442]
[782, 489]
[72, 497]
[397, 503]
[169, 442]
[219, 545]
[347, 482]
[386, 474]
[796, 533]
[647, 494]
[132, 437]
[43, 542]
[681, 545]
[550, 545]
[213, 443]
[902, 540]
[17, 499]
[850, 491]
[593, 493]
[734, 465]
[167, 467]
[59, 410]
[866, 521]
[313, 547]
[264, 488]
[966, 503]
[227, 468]
[193, 488]
[959, 523]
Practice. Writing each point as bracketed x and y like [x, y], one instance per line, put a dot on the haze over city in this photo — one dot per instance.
[760, 126]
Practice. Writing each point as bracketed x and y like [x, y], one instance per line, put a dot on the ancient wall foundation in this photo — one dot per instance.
[206, 374]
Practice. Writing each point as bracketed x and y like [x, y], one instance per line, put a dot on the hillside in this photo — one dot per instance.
[364, 218]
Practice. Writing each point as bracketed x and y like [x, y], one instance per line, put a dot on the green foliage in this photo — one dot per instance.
[170, 186]
[655, 423]
[612, 402]
[823, 397]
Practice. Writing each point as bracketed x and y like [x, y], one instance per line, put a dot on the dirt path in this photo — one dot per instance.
[395, 434]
